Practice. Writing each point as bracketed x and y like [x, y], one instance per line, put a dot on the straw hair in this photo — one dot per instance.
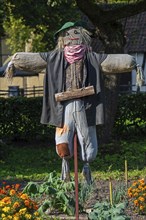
[85, 38]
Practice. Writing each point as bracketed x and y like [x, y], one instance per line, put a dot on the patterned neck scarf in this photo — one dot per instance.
[74, 53]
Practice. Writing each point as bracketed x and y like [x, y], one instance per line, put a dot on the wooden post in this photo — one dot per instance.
[111, 193]
[126, 173]
[33, 91]
[76, 178]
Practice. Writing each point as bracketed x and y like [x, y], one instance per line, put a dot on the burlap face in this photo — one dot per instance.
[76, 36]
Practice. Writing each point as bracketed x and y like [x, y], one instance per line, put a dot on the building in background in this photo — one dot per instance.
[135, 31]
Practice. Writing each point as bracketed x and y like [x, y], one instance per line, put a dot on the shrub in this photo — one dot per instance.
[20, 118]
[130, 118]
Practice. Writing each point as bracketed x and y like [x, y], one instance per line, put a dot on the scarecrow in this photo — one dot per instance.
[73, 98]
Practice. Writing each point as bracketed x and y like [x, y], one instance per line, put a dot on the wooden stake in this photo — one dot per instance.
[76, 177]
[126, 173]
[111, 192]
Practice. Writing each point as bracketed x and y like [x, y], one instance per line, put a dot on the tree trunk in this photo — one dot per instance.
[112, 38]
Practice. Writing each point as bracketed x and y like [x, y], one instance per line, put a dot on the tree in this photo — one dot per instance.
[109, 30]
[40, 18]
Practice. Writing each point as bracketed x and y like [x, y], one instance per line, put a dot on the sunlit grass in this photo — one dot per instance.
[36, 161]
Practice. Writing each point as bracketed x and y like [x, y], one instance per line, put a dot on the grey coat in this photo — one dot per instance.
[52, 111]
[55, 65]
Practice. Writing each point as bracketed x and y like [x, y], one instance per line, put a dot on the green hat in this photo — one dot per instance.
[71, 24]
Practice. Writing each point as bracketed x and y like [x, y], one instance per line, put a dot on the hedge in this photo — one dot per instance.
[20, 117]
[130, 118]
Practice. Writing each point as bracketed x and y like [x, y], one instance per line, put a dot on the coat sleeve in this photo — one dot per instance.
[118, 63]
[30, 62]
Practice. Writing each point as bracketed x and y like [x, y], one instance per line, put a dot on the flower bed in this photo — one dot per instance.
[16, 205]
[137, 193]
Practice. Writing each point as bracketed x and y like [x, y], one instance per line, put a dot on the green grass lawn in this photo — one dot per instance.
[33, 161]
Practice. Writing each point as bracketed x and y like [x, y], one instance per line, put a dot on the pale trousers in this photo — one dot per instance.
[75, 121]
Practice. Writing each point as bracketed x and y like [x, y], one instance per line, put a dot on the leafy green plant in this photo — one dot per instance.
[119, 194]
[85, 192]
[104, 211]
[54, 194]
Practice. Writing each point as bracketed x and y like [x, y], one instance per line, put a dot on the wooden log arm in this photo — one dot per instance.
[118, 63]
[30, 62]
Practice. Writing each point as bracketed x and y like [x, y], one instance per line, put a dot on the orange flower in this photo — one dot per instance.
[17, 186]
[12, 192]
[141, 181]
[24, 196]
[130, 194]
[130, 189]
[135, 194]
[35, 207]
[141, 199]
[139, 187]
[136, 202]
[16, 205]
[135, 183]
[2, 191]
[141, 207]
[27, 202]
[7, 187]
[6, 200]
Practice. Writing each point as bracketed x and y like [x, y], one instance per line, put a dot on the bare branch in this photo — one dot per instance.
[93, 11]
[124, 11]
[98, 15]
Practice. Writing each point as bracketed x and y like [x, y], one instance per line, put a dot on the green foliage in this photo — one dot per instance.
[116, 1]
[18, 34]
[104, 211]
[2, 16]
[119, 193]
[38, 21]
[57, 195]
[131, 116]
[20, 118]
[2, 150]
[19, 163]
[12, 28]
[28, 160]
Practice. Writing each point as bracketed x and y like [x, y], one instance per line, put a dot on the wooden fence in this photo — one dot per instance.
[27, 92]
[38, 91]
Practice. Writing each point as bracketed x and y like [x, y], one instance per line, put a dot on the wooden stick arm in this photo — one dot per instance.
[30, 62]
[118, 63]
